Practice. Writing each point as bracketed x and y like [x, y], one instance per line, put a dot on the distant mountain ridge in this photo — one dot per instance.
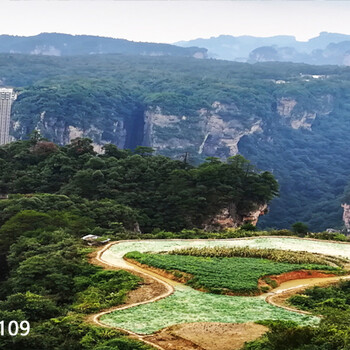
[327, 48]
[56, 44]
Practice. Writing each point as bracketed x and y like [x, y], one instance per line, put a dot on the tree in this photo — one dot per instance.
[300, 228]
[80, 146]
[27, 220]
[144, 151]
[35, 307]
[113, 151]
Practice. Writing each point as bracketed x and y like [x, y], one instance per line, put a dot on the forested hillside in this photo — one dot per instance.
[153, 192]
[290, 119]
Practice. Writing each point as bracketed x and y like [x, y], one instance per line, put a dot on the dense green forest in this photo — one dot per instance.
[47, 280]
[108, 97]
[154, 191]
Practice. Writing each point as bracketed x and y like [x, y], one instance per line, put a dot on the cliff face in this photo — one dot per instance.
[62, 132]
[218, 130]
[231, 217]
[298, 117]
[214, 131]
[346, 216]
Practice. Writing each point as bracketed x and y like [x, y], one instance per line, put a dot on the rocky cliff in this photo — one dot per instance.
[346, 216]
[231, 217]
[214, 131]
[217, 130]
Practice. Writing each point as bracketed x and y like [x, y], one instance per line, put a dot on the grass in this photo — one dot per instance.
[222, 275]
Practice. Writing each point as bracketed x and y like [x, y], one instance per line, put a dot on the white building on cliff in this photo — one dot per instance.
[7, 96]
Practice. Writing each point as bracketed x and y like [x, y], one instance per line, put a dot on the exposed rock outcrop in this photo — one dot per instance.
[61, 132]
[285, 106]
[222, 131]
[232, 218]
[302, 119]
[164, 131]
[216, 132]
[296, 120]
[346, 216]
[211, 131]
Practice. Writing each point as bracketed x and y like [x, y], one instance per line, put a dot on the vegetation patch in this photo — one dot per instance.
[222, 275]
[333, 332]
[186, 305]
[321, 300]
[278, 255]
[45, 278]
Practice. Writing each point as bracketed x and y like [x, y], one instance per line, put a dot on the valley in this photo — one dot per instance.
[277, 115]
[152, 197]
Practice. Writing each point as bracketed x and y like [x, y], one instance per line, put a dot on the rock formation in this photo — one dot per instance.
[232, 218]
[302, 118]
[346, 216]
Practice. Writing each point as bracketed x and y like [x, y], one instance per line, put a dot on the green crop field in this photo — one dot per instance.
[237, 275]
[188, 305]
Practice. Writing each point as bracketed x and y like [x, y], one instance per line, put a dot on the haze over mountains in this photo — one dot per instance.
[327, 48]
[56, 44]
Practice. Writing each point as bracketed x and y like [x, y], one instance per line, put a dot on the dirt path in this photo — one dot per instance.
[278, 296]
[151, 290]
[193, 336]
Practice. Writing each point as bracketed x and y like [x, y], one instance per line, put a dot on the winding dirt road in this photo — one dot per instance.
[156, 287]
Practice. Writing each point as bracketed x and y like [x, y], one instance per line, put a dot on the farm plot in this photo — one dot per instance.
[187, 305]
[117, 251]
[221, 275]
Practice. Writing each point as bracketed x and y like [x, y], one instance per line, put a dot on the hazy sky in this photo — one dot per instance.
[170, 21]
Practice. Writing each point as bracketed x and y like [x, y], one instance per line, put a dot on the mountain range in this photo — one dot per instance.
[56, 44]
[327, 48]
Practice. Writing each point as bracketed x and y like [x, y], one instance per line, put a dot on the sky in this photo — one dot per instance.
[171, 21]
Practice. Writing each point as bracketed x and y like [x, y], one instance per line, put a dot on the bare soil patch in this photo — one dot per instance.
[301, 274]
[207, 336]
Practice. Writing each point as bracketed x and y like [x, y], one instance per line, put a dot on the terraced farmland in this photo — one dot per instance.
[189, 305]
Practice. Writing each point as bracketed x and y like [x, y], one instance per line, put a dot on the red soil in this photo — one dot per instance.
[301, 274]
